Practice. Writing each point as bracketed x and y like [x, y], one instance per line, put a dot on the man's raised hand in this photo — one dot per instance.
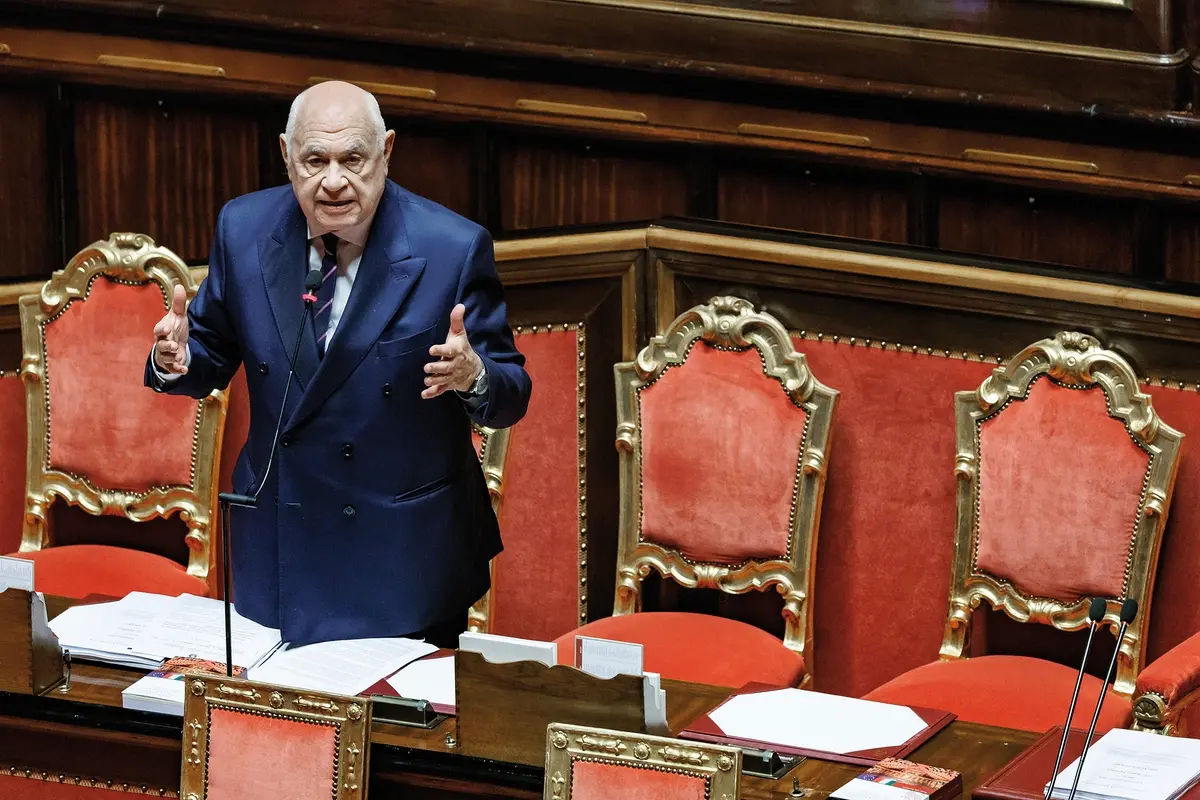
[459, 365]
[171, 336]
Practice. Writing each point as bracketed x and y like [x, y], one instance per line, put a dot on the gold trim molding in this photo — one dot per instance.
[389, 89]
[131, 259]
[695, 9]
[5, 50]
[727, 323]
[492, 459]
[160, 65]
[803, 135]
[86, 783]
[719, 766]
[1033, 162]
[1075, 360]
[576, 110]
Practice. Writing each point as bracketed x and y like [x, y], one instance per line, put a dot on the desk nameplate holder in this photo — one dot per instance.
[503, 710]
[31, 660]
[406, 712]
[768, 763]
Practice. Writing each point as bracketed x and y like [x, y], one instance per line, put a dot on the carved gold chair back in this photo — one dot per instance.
[723, 434]
[597, 764]
[98, 439]
[492, 446]
[1064, 478]
[236, 734]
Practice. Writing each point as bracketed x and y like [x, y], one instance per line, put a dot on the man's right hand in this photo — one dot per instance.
[171, 336]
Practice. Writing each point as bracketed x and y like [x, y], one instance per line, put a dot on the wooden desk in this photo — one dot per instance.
[84, 733]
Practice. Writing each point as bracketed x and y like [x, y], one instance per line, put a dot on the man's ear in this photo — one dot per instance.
[283, 150]
[389, 139]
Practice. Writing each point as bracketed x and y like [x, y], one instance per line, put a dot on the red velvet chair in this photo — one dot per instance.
[492, 447]
[249, 740]
[723, 434]
[1065, 474]
[97, 439]
[597, 764]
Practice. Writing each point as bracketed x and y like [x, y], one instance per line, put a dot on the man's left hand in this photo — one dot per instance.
[459, 365]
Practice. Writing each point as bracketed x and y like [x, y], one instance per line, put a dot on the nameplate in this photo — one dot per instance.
[606, 658]
[16, 573]
[508, 649]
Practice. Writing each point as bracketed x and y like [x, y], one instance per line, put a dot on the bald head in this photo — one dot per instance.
[336, 149]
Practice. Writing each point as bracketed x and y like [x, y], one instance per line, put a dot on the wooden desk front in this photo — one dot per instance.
[84, 733]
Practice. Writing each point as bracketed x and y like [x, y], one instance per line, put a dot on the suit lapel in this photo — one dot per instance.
[386, 274]
[283, 258]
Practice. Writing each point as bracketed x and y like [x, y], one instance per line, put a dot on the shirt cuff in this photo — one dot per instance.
[167, 378]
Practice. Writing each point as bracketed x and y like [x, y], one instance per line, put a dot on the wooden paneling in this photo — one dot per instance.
[545, 184]
[439, 163]
[27, 243]
[1064, 229]
[1183, 246]
[815, 198]
[161, 166]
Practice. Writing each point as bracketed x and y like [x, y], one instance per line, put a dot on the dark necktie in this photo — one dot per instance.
[324, 309]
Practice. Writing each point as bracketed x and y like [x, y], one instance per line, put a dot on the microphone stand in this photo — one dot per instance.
[226, 500]
[1095, 614]
[1128, 612]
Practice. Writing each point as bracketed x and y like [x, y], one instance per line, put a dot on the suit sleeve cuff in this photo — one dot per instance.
[165, 379]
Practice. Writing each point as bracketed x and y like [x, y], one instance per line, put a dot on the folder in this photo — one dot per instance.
[705, 729]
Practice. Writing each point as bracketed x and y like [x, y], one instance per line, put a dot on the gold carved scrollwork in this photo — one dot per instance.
[727, 323]
[125, 258]
[719, 766]
[349, 718]
[1075, 360]
[493, 457]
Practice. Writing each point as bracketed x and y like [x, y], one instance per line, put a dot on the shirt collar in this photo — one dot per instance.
[355, 234]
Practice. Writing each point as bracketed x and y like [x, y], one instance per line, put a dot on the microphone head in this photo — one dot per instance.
[1097, 610]
[312, 281]
[1128, 610]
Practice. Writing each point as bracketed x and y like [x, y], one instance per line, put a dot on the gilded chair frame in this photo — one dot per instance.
[727, 323]
[349, 716]
[129, 258]
[493, 458]
[1074, 360]
[718, 765]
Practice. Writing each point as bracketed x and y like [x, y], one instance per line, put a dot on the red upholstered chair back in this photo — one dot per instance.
[1065, 474]
[98, 439]
[492, 446]
[723, 434]
[243, 740]
[597, 764]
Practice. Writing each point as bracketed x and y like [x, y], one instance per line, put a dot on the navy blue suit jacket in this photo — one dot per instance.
[375, 518]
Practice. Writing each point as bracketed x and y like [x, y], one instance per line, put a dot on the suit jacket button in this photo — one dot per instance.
[263, 368]
[347, 450]
[286, 440]
[348, 511]
[387, 390]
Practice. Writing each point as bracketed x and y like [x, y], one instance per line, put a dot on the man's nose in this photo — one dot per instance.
[335, 178]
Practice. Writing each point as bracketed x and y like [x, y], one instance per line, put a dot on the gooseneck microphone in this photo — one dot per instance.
[1095, 614]
[1129, 611]
[312, 282]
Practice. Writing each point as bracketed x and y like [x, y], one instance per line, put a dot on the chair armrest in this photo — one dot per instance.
[1167, 687]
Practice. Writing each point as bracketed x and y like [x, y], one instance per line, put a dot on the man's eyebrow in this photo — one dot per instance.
[312, 150]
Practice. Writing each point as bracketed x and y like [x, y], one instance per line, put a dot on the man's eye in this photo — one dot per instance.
[315, 163]
[354, 161]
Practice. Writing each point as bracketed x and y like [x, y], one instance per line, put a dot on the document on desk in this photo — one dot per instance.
[194, 627]
[344, 667]
[429, 679]
[16, 573]
[112, 632]
[1133, 765]
[805, 720]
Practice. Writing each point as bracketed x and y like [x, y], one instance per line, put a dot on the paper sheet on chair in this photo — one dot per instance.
[346, 667]
[813, 721]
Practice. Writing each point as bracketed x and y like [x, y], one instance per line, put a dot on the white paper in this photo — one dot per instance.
[606, 658]
[655, 699]
[430, 679]
[859, 789]
[194, 627]
[1134, 765]
[508, 649]
[16, 573]
[814, 721]
[111, 632]
[345, 667]
[159, 695]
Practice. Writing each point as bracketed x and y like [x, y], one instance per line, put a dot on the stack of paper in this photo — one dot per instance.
[1132, 765]
[142, 630]
[346, 667]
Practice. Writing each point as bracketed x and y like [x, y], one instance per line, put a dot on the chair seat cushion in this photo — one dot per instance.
[1028, 694]
[697, 648]
[80, 570]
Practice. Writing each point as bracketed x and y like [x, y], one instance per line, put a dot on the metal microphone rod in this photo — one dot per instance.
[1095, 613]
[1087, 740]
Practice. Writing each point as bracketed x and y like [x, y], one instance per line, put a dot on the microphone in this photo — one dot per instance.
[1129, 610]
[312, 282]
[1095, 615]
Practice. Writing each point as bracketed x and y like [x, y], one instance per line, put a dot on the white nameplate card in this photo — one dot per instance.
[605, 658]
[508, 649]
[16, 573]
